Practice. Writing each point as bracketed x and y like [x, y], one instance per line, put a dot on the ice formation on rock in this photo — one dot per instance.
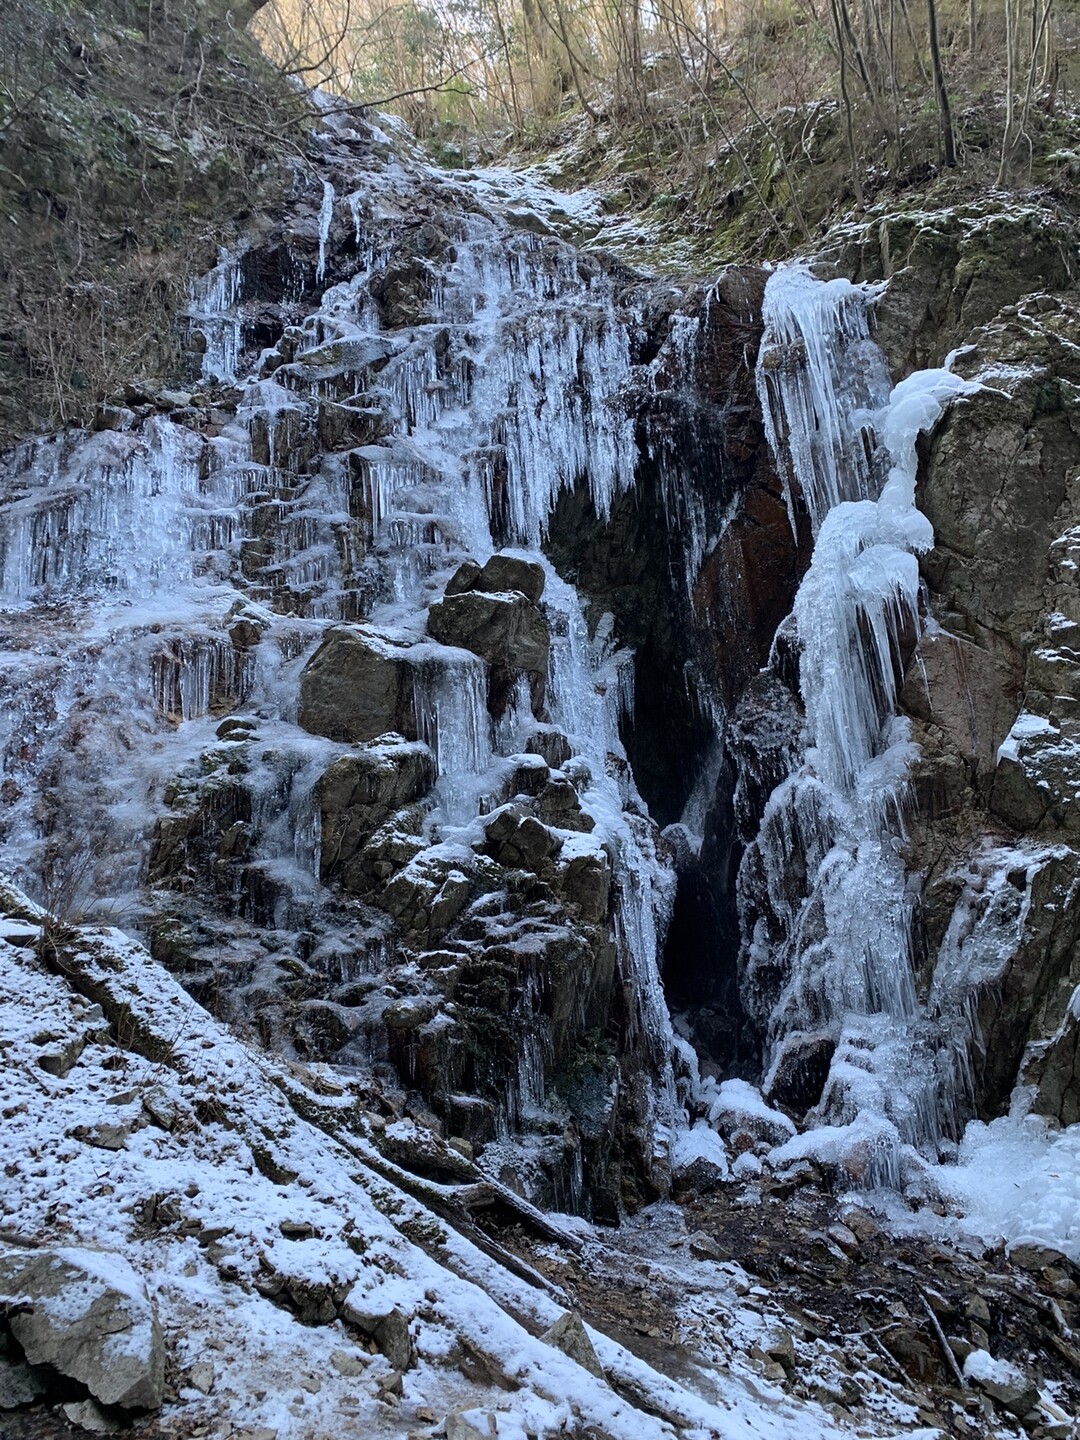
[164, 573]
[825, 894]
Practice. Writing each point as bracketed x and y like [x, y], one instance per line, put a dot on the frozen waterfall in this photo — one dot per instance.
[825, 897]
[164, 581]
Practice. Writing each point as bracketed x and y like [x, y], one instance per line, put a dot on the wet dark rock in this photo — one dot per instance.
[391, 847]
[464, 578]
[358, 686]
[558, 805]
[799, 1076]
[403, 288]
[472, 1118]
[584, 883]
[952, 270]
[529, 776]
[966, 692]
[506, 630]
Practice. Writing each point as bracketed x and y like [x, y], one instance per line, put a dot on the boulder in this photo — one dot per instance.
[506, 630]
[391, 848]
[520, 842]
[384, 1322]
[472, 1117]
[88, 1315]
[550, 744]
[507, 572]
[502, 574]
[800, 1071]
[699, 1162]
[558, 805]
[1006, 1383]
[20, 1384]
[464, 578]
[426, 897]
[740, 1106]
[584, 882]
[569, 1335]
[358, 686]
[528, 777]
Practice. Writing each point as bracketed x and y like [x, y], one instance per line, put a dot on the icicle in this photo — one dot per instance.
[452, 715]
[326, 219]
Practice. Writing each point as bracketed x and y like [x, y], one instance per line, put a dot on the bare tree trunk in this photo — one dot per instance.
[841, 50]
[1010, 82]
[948, 135]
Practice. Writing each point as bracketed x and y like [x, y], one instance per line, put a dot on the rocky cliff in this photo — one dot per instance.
[578, 739]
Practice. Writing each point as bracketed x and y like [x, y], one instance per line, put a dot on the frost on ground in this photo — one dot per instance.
[303, 1284]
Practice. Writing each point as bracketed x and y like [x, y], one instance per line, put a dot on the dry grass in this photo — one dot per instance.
[134, 138]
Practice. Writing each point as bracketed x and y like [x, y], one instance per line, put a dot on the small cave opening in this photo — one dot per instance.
[701, 950]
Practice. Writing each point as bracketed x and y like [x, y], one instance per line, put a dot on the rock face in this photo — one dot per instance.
[951, 271]
[88, 1315]
[992, 691]
[357, 686]
[494, 614]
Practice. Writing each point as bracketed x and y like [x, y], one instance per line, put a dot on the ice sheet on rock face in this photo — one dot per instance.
[819, 380]
[211, 310]
[450, 695]
[104, 515]
[843, 952]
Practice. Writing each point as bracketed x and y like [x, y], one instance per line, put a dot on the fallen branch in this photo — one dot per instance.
[946, 1348]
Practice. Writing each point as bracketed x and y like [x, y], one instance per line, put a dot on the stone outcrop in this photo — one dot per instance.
[493, 611]
[991, 690]
[86, 1314]
[359, 792]
[358, 686]
[952, 270]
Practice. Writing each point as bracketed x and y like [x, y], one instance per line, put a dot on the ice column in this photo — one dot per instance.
[326, 217]
[840, 942]
[820, 378]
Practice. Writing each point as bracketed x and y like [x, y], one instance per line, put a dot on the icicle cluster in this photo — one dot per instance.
[824, 890]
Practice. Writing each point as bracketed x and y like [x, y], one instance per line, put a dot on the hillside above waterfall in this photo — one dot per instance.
[538, 819]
